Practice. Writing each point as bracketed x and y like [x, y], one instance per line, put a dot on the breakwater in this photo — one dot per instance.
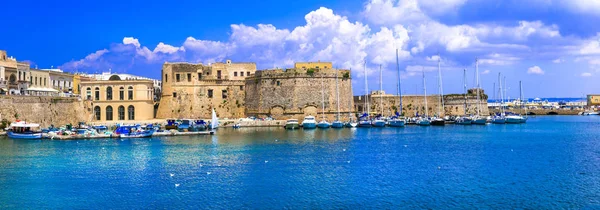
[541, 111]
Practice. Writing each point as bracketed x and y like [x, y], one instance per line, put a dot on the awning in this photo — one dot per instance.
[42, 89]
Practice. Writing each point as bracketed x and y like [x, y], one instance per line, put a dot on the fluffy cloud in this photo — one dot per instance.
[535, 70]
[485, 71]
[586, 74]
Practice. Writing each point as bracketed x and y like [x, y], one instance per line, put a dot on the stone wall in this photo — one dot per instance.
[295, 93]
[411, 104]
[44, 110]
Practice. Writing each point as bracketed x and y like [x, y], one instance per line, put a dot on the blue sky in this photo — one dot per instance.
[553, 46]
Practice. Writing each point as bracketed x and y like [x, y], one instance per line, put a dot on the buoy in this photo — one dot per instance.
[176, 185]
[172, 175]
[344, 150]
[207, 173]
[266, 161]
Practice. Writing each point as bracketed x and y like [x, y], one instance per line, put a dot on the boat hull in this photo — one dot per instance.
[144, 134]
[309, 125]
[378, 123]
[292, 126]
[13, 135]
[337, 124]
[463, 122]
[498, 121]
[481, 121]
[438, 122]
[424, 123]
[323, 125]
[397, 123]
[364, 124]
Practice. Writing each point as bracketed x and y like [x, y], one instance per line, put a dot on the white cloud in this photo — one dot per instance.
[558, 60]
[586, 74]
[165, 48]
[485, 71]
[535, 70]
[591, 7]
[131, 40]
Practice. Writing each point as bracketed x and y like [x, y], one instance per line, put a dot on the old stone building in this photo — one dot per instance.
[297, 92]
[313, 65]
[192, 90]
[14, 75]
[119, 100]
[454, 104]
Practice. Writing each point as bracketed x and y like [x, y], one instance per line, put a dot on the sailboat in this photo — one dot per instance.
[516, 119]
[337, 123]
[214, 122]
[351, 123]
[500, 119]
[398, 120]
[379, 122]
[437, 120]
[478, 119]
[323, 123]
[364, 119]
[424, 121]
[464, 120]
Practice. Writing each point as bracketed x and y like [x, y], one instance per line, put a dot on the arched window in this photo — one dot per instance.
[109, 113]
[109, 93]
[130, 93]
[88, 93]
[121, 93]
[97, 94]
[121, 113]
[131, 112]
[97, 112]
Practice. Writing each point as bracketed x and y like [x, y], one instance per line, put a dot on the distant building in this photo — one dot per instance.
[14, 75]
[193, 90]
[156, 84]
[115, 99]
[313, 65]
[593, 100]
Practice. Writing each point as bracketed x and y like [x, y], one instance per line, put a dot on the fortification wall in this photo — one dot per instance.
[296, 93]
[411, 104]
[44, 110]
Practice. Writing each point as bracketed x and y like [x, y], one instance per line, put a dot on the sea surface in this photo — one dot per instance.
[552, 162]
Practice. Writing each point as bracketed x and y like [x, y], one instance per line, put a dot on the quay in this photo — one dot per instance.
[541, 111]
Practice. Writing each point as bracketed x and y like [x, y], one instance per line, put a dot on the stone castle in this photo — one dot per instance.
[298, 92]
[193, 90]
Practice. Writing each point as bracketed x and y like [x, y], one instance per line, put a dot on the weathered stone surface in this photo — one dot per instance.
[44, 110]
[295, 93]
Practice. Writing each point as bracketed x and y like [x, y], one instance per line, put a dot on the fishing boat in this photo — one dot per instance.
[292, 124]
[171, 124]
[199, 125]
[424, 120]
[134, 131]
[323, 123]
[437, 119]
[309, 122]
[337, 123]
[478, 119]
[398, 120]
[364, 119]
[24, 130]
[379, 120]
[499, 118]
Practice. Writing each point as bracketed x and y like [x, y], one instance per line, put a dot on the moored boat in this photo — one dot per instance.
[463, 121]
[24, 130]
[309, 122]
[397, 121]
[423, 121]
[323, 124]
[438, 121]
[292, 124]
[337, 124]
[378, 122]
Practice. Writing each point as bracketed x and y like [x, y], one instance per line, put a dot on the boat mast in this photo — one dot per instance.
[337, 93]
[477, 90]
[521, 96]
[323, 95]
[399, 90]
[350, 102]
[500, 92]
[425, 93]
[381, 89]
[465, 87]
[366, 90]
[440, 89]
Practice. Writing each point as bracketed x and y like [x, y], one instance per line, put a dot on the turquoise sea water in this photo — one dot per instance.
[550, 162]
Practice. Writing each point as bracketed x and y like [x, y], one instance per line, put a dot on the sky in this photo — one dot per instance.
[552, 46]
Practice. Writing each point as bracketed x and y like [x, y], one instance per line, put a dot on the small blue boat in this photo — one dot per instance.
[397, 122]
[23, 130]
[323, 124]
[379, 123]
[337, 124]
[134, 131]
[309, 122]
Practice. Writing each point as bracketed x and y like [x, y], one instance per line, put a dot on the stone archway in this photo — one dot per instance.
[277, 112]
[310, 110]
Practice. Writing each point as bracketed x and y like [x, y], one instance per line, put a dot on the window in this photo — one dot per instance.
[109, 111]
[109, 93]
[177, 78]
[241, 87]
[121, 93]
[235, 73]
[174, 94]
[210, 93]
[131, 112]
[219, 74]
[189, 77]
[199, 76]
[121, 113]
[130, 93]
[166, 78]
[97, 112]
[97, 94]
[224, 94]
[242, 73]
[247, 73]
[88, 93]
[278, 83]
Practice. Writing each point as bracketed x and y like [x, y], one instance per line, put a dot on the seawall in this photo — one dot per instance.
[44, 110]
